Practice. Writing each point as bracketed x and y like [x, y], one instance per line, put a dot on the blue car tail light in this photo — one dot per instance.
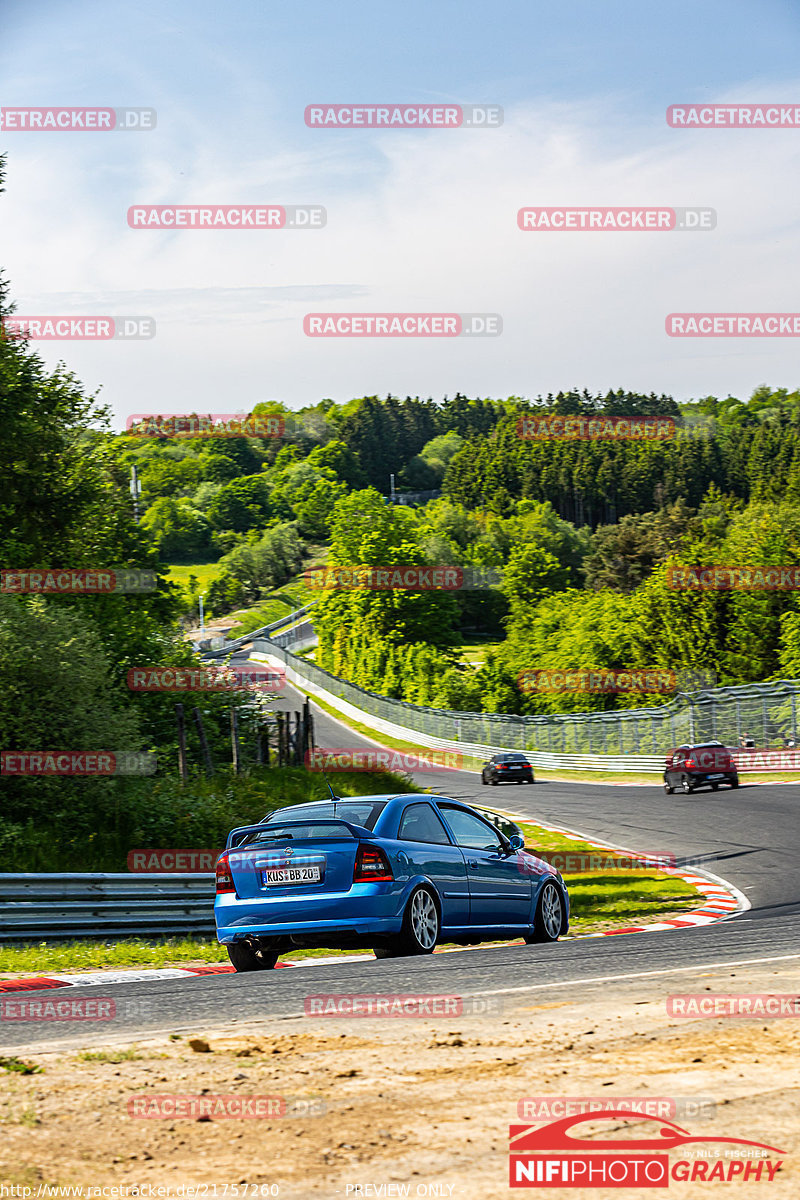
[224, 878]
[371, 866]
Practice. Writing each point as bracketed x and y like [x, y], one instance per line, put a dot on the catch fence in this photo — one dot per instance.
[765, 713]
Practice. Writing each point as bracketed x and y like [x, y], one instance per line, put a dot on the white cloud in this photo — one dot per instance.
[417, 222]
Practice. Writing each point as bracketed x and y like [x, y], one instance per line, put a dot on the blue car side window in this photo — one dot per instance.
[420, 823]
[470, 831]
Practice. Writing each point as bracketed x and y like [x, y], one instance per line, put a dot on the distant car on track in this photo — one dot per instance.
[693, 766]
[394, 873]
[511, 767]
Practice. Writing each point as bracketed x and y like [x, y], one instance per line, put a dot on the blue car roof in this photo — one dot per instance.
[385, 796]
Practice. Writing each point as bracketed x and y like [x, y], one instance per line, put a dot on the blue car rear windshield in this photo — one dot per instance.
[283, 831]
[365, 812]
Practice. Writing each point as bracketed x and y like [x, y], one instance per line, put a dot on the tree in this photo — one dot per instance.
[58, 693]
[179, 531]
[338, 457]
[265, 564]
[241, 504]
[381, 628]
[624, 554]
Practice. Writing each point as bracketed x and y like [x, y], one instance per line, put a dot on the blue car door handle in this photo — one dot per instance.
[472, 862]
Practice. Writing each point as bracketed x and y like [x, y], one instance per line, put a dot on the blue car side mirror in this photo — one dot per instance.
[517, 842]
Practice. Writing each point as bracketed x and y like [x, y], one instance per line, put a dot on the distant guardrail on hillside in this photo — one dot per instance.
[766, 712]
[219, 646]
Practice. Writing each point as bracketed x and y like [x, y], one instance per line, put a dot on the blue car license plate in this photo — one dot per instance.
[277, 876]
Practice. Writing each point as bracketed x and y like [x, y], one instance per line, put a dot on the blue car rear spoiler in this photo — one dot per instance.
[358, 831]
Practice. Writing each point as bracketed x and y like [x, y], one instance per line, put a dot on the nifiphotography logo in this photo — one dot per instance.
[550, 1156]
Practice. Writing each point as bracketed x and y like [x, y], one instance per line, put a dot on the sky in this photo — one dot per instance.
[417, 220]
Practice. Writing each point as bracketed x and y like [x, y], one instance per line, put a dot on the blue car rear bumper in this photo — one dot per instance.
[368, 908]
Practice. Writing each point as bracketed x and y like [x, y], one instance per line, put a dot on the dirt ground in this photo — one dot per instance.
[423, 1104]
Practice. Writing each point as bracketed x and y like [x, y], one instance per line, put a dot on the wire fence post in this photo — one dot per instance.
[183, 766]
[236, 755]
[204, 746]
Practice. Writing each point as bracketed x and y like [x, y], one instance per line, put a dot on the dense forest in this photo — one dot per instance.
[579, 533]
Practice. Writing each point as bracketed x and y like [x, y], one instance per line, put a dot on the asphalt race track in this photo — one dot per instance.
[750, 837]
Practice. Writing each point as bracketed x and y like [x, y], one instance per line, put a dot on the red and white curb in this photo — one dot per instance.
[36, 983]
[722, 900]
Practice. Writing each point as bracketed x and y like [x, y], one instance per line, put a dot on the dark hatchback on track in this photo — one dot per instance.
[507, 768]
[706, 765]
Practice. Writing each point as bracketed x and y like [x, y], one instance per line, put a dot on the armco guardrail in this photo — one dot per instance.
[633, 739]
[299, 637]
[95, 903]
[217, 647]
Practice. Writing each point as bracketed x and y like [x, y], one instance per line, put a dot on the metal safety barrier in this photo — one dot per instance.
[633, 739]
[220, 646]
[94, 904]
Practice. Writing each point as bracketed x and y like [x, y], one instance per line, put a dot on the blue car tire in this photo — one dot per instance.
[549, 919]
[247, 957]
[420, 931]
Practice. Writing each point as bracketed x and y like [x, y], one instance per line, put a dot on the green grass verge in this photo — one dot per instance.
[473, 653]
[598, 901]
[203, 572]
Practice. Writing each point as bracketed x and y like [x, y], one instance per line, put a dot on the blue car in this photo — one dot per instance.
[394, 873]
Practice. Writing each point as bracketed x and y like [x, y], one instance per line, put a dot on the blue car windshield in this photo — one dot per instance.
[365, 812]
